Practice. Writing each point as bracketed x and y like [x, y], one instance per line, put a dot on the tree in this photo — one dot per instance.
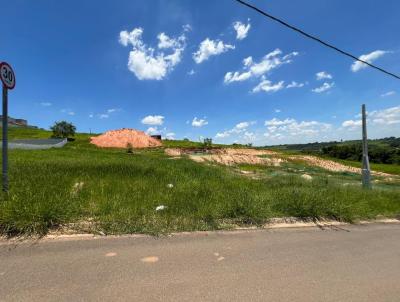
[207, 143]
[63, 129]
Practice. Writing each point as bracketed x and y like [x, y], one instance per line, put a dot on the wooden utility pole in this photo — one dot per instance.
[366, 172]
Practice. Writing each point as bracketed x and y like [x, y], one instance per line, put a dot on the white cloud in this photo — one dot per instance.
[389, 93]
[68, 111]
[378, 118]
[241, 29]
[164, 41]
[222, 134]
[277, 110]
[351, 124]
[389, 116]
[268, 86]
[153, 120]
[199, 122]
[46, 104]
[145, 62]
[252, 69]
[278, 129]
[104, 116]
[242, 125]
[152, 131]
[277, 122]
[370, 58]
[112, 110]
[187, 28]
[238, 129]
[322, 75]
[249, 136]
[208, 48]
[191, 72]
[325, 87]
[294, 84]
[170, 135]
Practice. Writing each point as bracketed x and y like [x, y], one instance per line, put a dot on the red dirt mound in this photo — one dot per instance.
[121, 138]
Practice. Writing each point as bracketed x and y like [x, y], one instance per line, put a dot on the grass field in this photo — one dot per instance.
[119, 192]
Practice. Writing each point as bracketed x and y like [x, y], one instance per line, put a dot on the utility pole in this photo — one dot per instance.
[366, 172]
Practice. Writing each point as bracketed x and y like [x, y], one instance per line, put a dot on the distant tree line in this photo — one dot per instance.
[384, 151]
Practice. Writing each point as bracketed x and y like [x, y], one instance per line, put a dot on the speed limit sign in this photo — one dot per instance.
[7, 75]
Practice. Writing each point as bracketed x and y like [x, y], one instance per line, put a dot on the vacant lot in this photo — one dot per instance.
[84, 188]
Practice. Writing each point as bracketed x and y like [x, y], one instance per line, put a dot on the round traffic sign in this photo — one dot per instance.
[7, 75]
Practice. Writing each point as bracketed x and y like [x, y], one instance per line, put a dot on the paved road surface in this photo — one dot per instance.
[357, 263]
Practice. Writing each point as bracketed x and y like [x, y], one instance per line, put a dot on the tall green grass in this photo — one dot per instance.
[120, 193]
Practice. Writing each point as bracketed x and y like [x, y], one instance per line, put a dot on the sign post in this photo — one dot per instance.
[366, 173]
[8, 78]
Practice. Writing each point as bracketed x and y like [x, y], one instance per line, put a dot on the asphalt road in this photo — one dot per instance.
[352, 263]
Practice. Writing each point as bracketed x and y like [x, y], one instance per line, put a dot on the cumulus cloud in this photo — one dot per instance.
[325, 87]
[241, 29]
[153, 120]
[147, 63]
[152, 131]
[378, 118]
[323, 75]
[370, 58]
[170, 135]
[289, 127]
[352, 124]
[267, 86]
[208, 48]
[389, 93]
[253, 69]
[199, 122]
[294, 84]
[389, 116]
[238, 129]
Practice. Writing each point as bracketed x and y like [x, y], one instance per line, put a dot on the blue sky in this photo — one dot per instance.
[204, 68]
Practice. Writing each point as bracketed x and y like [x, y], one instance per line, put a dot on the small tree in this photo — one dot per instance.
[63, 129]
[207, 142]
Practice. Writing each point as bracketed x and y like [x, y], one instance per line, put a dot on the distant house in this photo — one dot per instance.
[17, 122]
[156, 136]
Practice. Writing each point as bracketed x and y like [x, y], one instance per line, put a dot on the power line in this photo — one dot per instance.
[316, 39]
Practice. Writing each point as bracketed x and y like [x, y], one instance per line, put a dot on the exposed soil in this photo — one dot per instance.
[232, 156]
[121, 138]
[229, 156]
[331, 165]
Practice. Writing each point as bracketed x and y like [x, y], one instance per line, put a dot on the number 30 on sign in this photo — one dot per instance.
[7, 75]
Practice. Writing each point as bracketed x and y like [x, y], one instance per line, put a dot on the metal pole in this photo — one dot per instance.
[5, 139]
[366, 172]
